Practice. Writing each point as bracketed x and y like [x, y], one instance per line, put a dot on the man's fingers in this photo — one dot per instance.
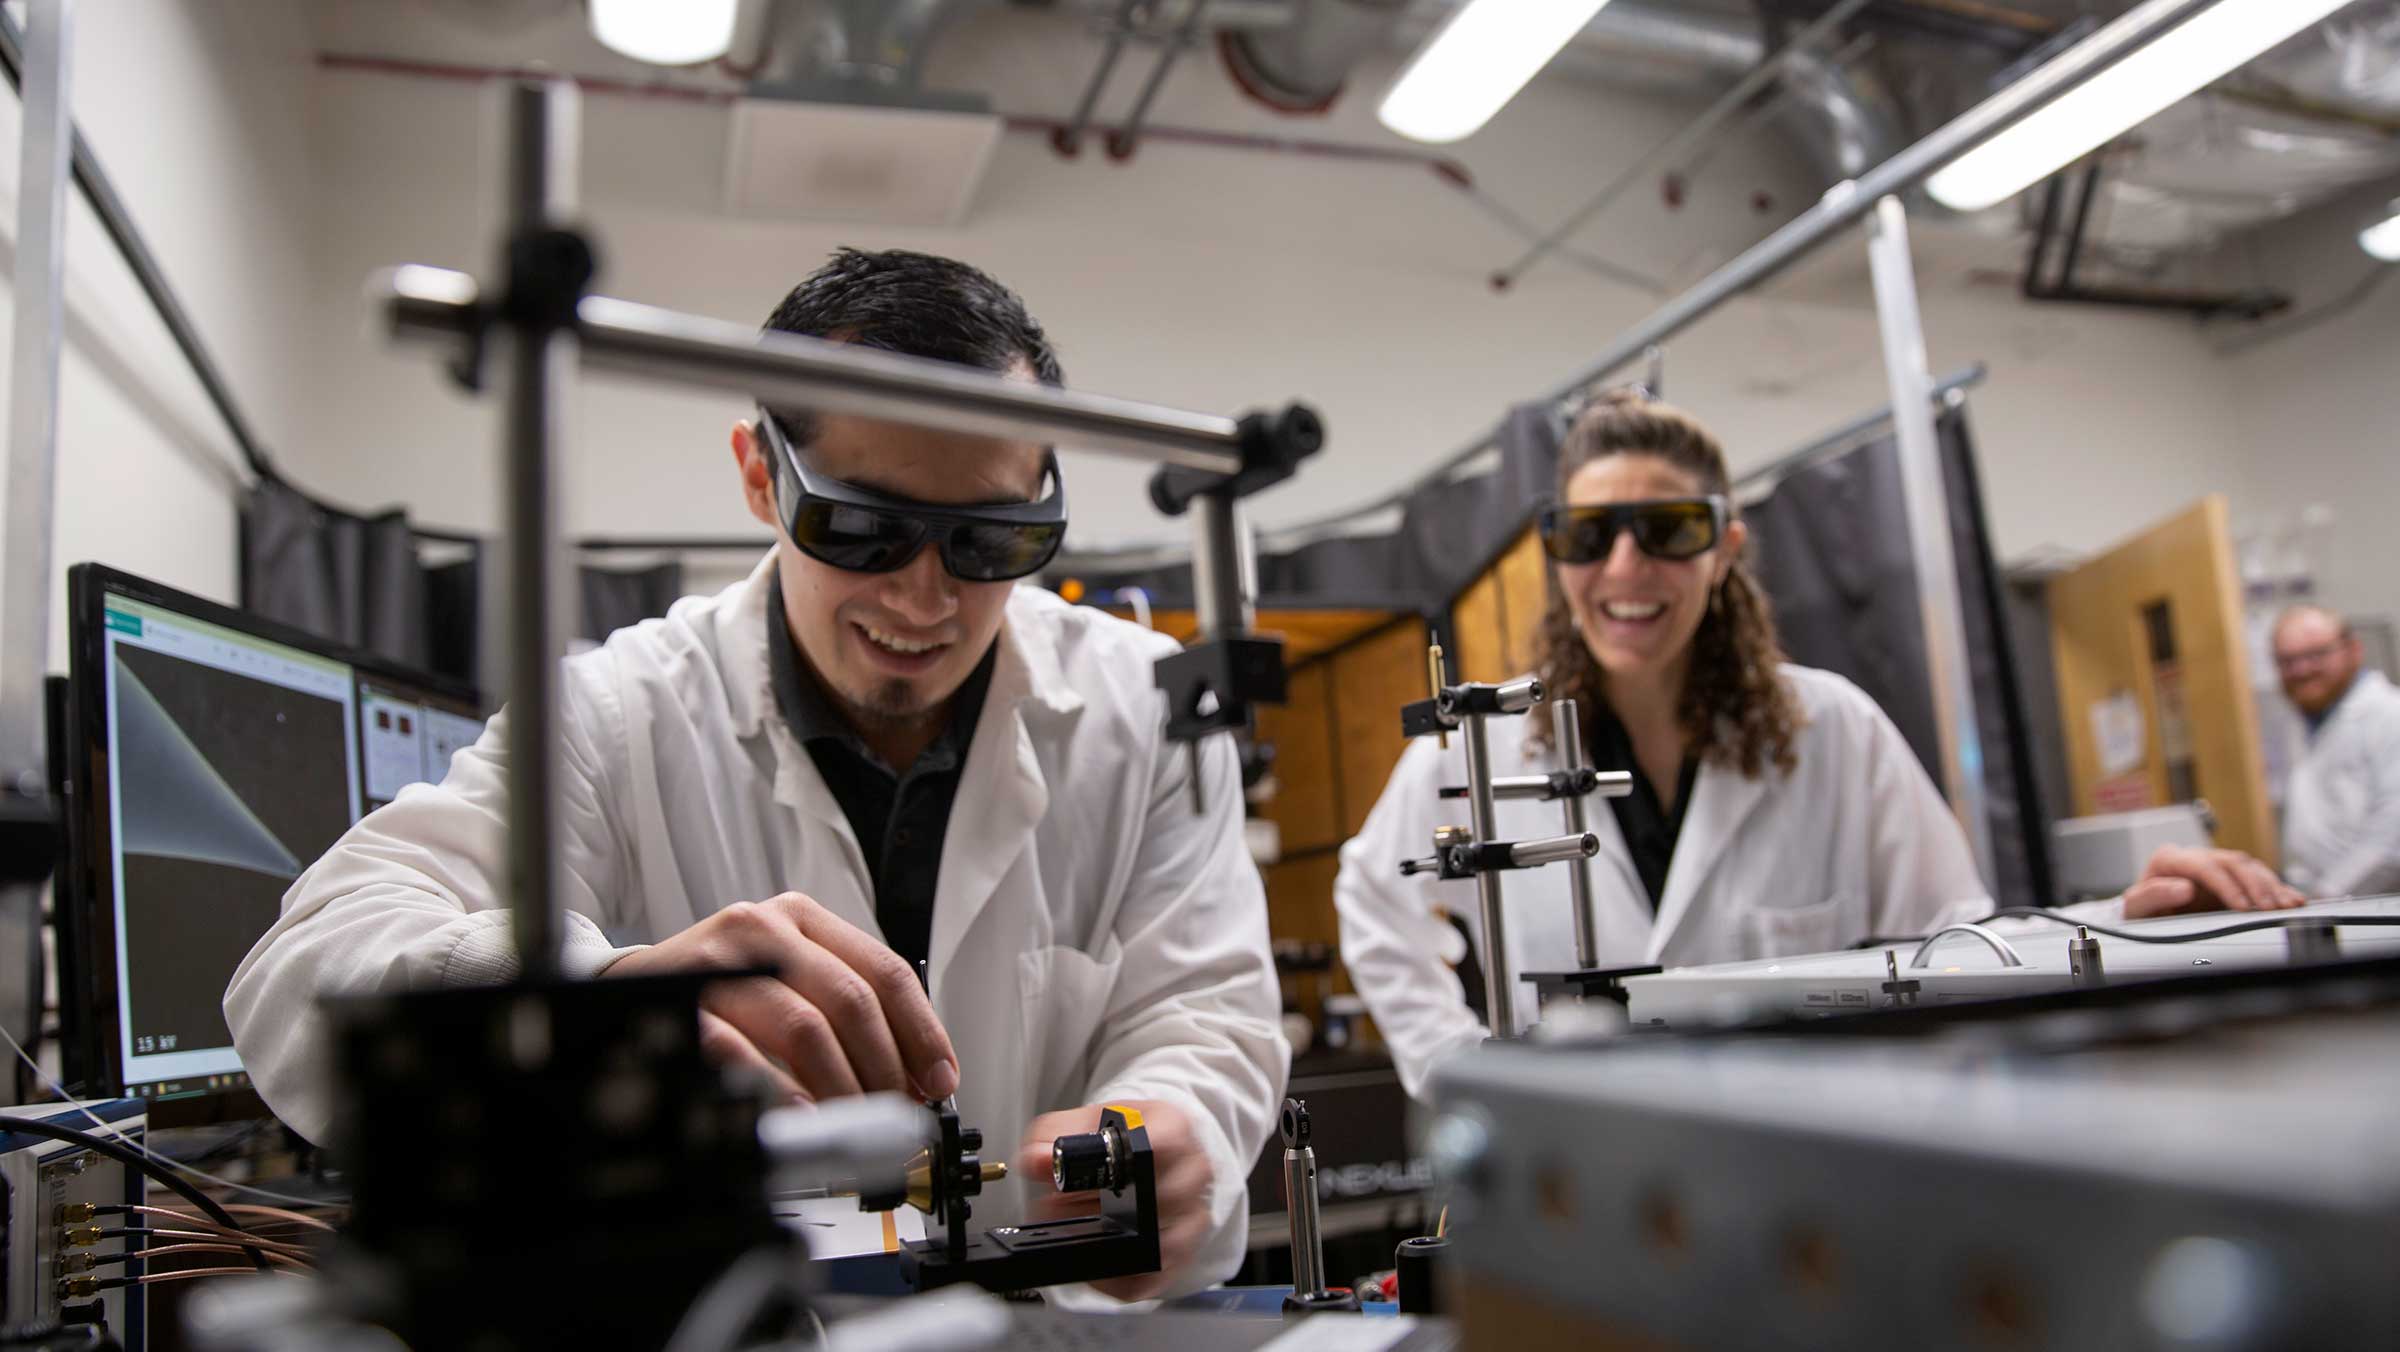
[923, 1044]
[791, 1030]
[2158, 896]
[850, 1006]
[2267, 892]
[724, 1044]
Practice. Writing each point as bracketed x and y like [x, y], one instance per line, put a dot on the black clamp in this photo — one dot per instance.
[1605, 982]
[1273, 445]
[1213, 686]
[550, 271]
[1453, 862]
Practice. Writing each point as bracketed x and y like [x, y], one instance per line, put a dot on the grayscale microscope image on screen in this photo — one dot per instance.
[233, 771]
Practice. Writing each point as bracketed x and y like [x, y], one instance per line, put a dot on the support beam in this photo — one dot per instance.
[1935, 556]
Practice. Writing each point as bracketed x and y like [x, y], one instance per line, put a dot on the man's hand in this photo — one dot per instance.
[1184, 1179]
[2185, 878]
[842, 1014]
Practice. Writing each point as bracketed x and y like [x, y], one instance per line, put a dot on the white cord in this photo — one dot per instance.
[110, 1129]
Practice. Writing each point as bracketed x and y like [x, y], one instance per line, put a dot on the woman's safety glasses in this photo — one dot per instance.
[1670, 528]
[862, 531]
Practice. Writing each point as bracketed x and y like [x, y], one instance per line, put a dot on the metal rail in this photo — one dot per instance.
[622, 338]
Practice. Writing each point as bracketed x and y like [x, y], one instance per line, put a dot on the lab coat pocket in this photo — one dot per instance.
[1785, 931]
[1066, 996]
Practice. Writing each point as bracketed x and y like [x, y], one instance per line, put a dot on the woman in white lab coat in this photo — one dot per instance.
[1776, 809]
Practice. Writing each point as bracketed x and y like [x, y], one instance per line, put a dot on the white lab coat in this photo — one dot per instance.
[2341, 808]
[1855, 841]
[1094, 937]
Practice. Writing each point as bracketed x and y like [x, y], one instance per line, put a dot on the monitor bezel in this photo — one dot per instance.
[90, 1014]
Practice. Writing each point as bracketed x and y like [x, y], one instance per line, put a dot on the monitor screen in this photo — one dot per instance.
[222, 757]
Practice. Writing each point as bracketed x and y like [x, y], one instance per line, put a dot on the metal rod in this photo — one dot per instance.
[1847, 201]
[1554, 850]
[1069, 138]
[1931, 550]
[42, 169]
[1730, 102]
[622, 338]
[2082, 222]
[117, 222]
[2037, 258]
[1499, 993]
[1566, 732]
[1123, 140]
[539, 373]
[1220, 572]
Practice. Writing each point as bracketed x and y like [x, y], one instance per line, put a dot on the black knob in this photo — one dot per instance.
[970, 1139]
[1080, 1163]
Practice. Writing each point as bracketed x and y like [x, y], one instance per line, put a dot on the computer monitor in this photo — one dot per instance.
[215, 757]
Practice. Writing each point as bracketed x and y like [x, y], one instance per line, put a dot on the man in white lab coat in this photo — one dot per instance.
[2341, 813]
[875, 751]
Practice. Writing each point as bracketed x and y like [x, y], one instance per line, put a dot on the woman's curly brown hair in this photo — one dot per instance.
[1736, 710]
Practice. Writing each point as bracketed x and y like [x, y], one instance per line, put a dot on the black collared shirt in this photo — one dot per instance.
[900, 820]
[1649, 826]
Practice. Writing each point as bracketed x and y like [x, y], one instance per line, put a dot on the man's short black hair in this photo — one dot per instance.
[918, 304]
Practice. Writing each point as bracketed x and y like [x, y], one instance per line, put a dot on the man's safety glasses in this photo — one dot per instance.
[1671, 528]
[862, 531]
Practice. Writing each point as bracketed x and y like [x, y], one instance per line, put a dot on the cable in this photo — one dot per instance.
[170, 1213]
[201, 1236]
[183, 1275]
[137, 1147]
[131, 1255]
[133, 1159]
[2191, 936]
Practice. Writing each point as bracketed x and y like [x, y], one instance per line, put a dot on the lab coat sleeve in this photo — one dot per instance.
[2371, 864]
[1194, 1016]
[416, 895]
[1392, 941]
[1921, 875]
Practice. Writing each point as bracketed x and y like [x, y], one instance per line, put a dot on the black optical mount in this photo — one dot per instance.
[1121, 1241]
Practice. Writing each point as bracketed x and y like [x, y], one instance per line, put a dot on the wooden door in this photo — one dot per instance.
[2153, 679]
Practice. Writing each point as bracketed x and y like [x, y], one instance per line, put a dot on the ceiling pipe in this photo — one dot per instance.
[1302, 67]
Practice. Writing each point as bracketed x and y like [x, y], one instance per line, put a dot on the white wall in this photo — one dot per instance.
[198, 109]
[2320, 410]
[1221, 280]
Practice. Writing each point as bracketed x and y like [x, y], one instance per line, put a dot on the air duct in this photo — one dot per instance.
[1301, 66]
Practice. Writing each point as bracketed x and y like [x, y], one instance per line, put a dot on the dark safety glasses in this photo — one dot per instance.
[862, 531]
[1669, 528]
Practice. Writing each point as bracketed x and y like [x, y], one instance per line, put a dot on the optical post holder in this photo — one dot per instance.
[1475, 852]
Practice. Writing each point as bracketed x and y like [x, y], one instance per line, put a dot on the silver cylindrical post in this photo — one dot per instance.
[1499, 994]
[44, 150]
[1516, 696]
[539, 368]
[1566, 731]
[1553, 850]
[1300, 1201]
[1220, 567]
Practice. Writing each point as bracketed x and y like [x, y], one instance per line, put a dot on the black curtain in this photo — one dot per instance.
[616, 597]
[353, 579]
[359, 581]
[1830, 544]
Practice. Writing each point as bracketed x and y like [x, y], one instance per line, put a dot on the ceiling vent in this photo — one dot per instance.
[856, 162]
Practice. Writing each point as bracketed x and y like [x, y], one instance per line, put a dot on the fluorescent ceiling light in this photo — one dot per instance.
[2382, 239]
[1477, 63]
[665, 32]
[2193, 54]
